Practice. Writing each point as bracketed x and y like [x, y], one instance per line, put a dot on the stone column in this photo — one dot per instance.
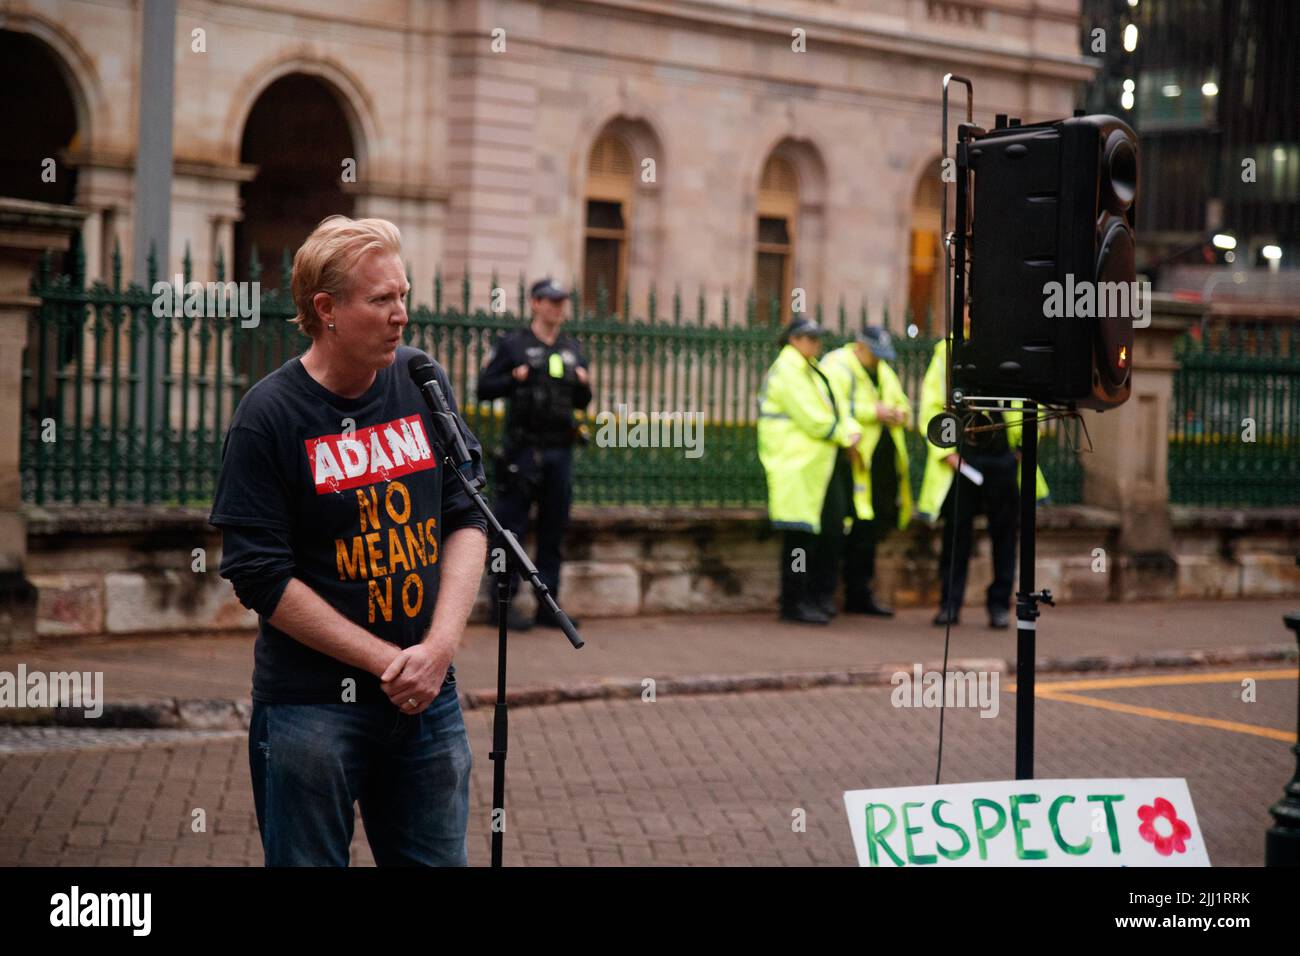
[493, 102]
[223, 245]
[106, 188]
[205, 206]
[1127, 470]
[27, 229]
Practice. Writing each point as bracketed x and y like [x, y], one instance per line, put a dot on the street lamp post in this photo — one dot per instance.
[153, 199]
[1282, 844]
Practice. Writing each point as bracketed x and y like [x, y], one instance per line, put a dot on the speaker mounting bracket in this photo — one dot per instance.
[955, 244]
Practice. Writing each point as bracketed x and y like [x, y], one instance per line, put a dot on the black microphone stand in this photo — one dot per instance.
[517, 559]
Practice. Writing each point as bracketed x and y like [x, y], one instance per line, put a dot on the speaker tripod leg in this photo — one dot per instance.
[1026, 599]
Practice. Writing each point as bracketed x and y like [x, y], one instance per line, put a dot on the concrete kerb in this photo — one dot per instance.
[218, 714]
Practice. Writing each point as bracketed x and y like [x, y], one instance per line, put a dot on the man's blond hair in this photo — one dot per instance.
[324, 262]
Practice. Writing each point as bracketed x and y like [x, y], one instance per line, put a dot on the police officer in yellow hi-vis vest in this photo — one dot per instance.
[990, 484]
[882, 494]
[805, 437]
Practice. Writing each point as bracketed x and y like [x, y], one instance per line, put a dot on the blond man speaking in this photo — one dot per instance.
[361, 557]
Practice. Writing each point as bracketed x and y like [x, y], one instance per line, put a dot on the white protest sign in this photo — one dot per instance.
[1119, 822]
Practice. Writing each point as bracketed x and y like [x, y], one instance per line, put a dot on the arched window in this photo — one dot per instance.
[778, 207]
[610, 182]
[40, 120]
[298, 136]
[925, 252]
[40, 123]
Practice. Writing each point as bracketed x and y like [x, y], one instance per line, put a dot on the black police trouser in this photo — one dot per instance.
[545, 476]
[812, 579]
[999, 499]
[860, 555]
[860, 546]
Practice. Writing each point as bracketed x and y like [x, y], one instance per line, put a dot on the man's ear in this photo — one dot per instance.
[323, 302]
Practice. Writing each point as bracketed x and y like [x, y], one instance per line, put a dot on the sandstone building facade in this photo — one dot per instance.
[717, 145]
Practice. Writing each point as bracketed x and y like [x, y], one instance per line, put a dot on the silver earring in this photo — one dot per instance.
[331, 325]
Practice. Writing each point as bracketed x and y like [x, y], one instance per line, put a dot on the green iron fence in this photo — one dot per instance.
[1234, 430]
[138, 404]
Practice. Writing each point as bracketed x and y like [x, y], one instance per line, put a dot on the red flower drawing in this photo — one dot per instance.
[1170, 842]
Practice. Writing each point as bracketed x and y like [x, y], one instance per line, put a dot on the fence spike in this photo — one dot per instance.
[42, 278]
[738, 361]
[78, 261]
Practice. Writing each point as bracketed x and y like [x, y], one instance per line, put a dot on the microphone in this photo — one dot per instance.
[422, 370]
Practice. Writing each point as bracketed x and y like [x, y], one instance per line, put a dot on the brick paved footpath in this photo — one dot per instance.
[707, 779]
[691, 645]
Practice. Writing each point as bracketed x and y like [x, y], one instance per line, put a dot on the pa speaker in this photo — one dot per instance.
[1052, 287]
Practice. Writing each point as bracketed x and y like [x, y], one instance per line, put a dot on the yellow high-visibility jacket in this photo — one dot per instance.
[802, 423]
[938, 476]
[843, 365]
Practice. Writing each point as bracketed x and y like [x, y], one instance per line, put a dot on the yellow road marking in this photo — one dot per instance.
[1058, 691]
[1192, 719]
[1163, 680]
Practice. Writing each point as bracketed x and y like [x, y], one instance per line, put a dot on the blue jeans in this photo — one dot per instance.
[312, 762]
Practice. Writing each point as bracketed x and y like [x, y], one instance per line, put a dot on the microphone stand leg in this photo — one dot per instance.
[517, 559]
[500, 721]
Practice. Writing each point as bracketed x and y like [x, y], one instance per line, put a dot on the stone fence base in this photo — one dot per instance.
[139, 571]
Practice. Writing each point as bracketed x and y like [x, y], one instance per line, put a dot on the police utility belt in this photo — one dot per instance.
[542, 412]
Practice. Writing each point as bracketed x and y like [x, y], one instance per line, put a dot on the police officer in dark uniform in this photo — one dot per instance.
[992, 456]
[544, 376]
[989, 483]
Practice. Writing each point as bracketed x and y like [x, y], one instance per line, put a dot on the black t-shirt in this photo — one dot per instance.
[348, 496]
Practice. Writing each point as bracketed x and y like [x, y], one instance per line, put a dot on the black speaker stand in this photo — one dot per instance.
[1027, 599]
